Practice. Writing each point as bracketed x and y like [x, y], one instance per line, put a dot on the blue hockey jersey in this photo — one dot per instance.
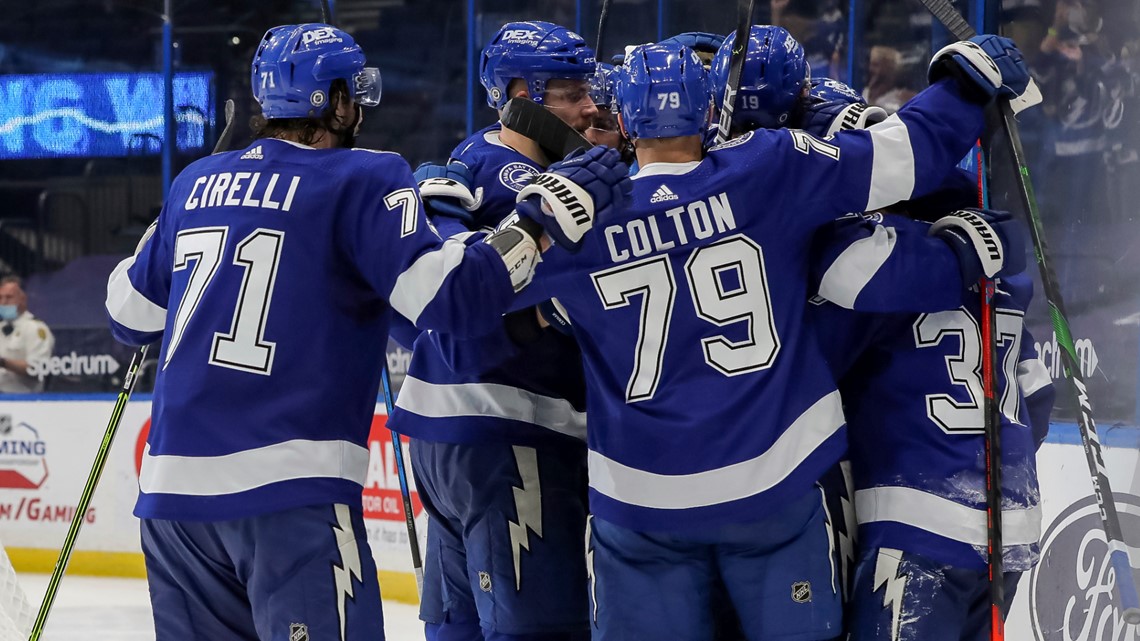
[454, 393]
[271, 276]
[912, 394]
[709, 401]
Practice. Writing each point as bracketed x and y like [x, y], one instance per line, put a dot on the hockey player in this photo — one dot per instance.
[913, 397]
[712, 413]
[918, 480]
[912, 393]
[271, 276]
[498, 439]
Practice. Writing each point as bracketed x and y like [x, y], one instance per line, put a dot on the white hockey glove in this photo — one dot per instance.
[568, 196]
[516, 240]
[989, 243]
[985, 67]
[446, 189]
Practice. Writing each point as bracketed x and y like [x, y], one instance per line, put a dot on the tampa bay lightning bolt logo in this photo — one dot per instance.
[516, 175]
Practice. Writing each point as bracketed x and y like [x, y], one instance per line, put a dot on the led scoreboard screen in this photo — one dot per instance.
[100, 114]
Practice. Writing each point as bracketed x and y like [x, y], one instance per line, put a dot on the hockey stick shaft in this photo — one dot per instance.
[1102, 490]
[223, 142]
[405, 489]
[326, 12]
[992, 434]
[221, 145]
[992, 439]
[735, 67]
[602, 16]
[88, 493]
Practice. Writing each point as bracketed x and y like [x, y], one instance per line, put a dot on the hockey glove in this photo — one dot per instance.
[446, 190]
[832, 106]
[556, 316]
[571, 194]
[705, 45]
[989, 243]
[985, 67]
[517, 240]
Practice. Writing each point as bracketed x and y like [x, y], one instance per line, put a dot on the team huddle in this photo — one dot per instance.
[733, 392]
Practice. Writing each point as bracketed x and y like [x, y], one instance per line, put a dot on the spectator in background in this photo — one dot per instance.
[883, 86]
[1072, 70]
[819, 25]
[23, 338]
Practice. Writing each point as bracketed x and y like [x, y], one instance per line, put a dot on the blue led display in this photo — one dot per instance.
[104, 114]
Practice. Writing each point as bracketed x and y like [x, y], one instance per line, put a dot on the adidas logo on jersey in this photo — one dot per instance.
[253, 154]
[662, 194]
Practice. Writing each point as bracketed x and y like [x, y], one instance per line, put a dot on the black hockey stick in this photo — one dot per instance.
[105, 446]
[735, 67]
[605, 12]
[405, 488]
[556, 138]
[223, 143]
[326, 12]
[1117, 551]
[88, 492]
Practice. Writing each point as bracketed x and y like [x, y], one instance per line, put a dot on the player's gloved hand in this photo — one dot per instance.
[516, 239]
[832, 106]
[989, 243]
[555, 316]
[986, 67]
[446, 189]
[704, 44]
[572, 193]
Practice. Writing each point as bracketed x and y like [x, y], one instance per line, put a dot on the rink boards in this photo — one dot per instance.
[46, 449]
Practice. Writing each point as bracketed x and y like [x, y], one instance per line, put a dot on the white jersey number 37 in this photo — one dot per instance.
[736, 258]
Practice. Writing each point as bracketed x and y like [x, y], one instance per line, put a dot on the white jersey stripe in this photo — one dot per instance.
[1032, 375]
[855, 267]
[946, 518]
[492, 400]
[731, 483]
[892, 165]
[250, 469]
[418, 285]
[127, 306]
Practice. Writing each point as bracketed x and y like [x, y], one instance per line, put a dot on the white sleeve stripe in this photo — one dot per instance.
[435, 400]
[856, 266]
[128, 307]
[417, 286]
[892, 165]
[1032, 376]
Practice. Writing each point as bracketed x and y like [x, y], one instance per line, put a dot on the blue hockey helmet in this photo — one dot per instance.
[663, 91]
[295, 64]
[832, 106]
[535, 52]
[771, 81]
[602, 85]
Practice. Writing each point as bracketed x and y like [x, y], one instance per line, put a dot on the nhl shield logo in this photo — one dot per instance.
[801, 591]
[484, 581]
[5, 423]
[298, 632]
